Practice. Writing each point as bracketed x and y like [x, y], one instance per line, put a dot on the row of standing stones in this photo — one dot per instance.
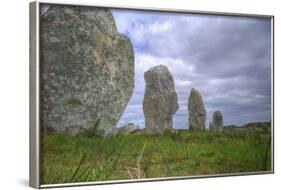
[197, 113]
[87, 74]
[160, 103]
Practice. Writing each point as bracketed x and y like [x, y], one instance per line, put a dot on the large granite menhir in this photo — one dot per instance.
[160, 99]
[196, 110]
[87, 69]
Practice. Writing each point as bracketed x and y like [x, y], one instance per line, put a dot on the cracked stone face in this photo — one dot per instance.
[160, 99]
[87, 69]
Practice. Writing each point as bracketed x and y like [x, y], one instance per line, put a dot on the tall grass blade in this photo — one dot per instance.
[78, 167]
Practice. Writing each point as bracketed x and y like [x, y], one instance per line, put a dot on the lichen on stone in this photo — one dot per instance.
[87, 68]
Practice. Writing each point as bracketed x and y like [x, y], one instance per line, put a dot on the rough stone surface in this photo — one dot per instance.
[196, 110]
[217, 123]
[74, 130]
[160, 99]
[87, 68]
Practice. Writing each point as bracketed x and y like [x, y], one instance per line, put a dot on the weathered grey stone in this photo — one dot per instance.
[160, 99]
[196, 110]
[87, 68]
[74, 130]
[217, 122]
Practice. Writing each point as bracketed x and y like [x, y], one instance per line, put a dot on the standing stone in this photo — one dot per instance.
[196, 110]
[87, 69]
[217, 123]
[160, 99]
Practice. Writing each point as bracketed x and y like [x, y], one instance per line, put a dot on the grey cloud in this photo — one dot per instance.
[227, 58]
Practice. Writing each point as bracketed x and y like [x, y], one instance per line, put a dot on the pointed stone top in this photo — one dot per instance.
[157, 69]
[195, 96]
[194, 90]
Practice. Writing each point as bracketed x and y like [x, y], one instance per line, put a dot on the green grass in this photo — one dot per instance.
[83, 158]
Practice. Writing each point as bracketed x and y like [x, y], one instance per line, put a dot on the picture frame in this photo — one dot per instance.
[36, 92]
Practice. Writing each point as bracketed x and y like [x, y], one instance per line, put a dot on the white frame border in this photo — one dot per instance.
[34, 130]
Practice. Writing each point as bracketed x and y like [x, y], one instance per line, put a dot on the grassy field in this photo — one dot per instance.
[68, 159]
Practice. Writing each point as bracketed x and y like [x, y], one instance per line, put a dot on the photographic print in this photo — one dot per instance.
[132, 94]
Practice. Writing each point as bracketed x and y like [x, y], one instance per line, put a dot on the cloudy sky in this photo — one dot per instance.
[228, 59]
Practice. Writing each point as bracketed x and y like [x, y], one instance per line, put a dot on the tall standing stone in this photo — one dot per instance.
[196, 110]
[87, 69]
[217, 123]
[160, 99]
